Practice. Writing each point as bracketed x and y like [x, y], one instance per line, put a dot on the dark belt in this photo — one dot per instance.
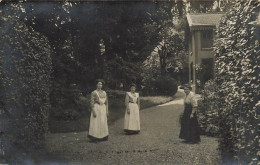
[131, 102]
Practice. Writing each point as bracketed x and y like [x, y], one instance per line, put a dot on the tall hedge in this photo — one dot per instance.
[25, 79]
[237, 75]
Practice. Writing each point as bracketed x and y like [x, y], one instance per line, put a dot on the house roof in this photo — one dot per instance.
[203, 20]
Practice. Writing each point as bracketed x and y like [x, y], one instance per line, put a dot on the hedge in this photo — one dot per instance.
[237, 77]
[25, 80]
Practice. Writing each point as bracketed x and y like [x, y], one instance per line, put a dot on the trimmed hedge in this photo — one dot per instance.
[166, 86]
[237, 78]
[26, 69]
[162, 86]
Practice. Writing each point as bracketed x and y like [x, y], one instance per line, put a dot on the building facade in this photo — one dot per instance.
[202, 32]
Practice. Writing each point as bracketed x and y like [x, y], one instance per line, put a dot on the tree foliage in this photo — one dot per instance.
[128, 32]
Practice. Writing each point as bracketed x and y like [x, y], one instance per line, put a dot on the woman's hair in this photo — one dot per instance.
[187, 86]
[132, 85]
[100, 80]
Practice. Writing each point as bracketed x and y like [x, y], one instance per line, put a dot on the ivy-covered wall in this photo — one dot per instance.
[237, 77]
[25, 85]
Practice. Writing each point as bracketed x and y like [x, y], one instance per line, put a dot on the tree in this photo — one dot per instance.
[128, 30]
[170, 52]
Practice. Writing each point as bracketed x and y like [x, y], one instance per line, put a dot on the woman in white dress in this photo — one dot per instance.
[98, 128]
[132, 119]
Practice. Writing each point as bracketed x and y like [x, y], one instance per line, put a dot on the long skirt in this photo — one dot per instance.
[190, 130]
[132, 120]
[98, 128]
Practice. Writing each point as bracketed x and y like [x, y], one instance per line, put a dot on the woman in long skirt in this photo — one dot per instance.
[98, 128]
[190, 130]
[132, 119]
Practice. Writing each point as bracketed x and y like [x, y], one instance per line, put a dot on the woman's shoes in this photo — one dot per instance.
[131, 132]
[186, 141]
[194, 142]
[95, 140]
[190, 142]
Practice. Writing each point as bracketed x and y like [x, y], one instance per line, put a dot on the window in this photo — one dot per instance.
[206, 39]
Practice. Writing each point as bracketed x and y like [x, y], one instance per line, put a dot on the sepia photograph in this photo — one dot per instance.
[129, 82]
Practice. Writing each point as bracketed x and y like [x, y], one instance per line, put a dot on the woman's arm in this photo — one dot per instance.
[127, 103]
[107, 105]
[194, 104]
[92, 103]
[138, 101]
[92, 100]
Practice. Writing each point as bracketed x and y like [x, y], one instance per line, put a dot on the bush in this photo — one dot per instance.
[149, 89]
[208, 110]
[71, 105]
[27, 66]
[165, 85]
[237, 77]
[66, 114]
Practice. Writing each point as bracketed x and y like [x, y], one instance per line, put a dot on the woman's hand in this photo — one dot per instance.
[194, 109]
[192, 114]
[94, 113]
[128, 110]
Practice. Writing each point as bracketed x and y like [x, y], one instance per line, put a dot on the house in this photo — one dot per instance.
[202, 28]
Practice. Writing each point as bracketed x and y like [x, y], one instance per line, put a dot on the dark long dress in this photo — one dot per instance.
[190, 130]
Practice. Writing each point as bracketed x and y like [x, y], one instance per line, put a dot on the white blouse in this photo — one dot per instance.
[190, 99]
[130, 97]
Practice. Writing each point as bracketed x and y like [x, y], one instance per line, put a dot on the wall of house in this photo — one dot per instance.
[197, 54]
[203, 53]
[193, 57]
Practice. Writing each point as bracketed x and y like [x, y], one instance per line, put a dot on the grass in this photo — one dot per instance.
[116, 111]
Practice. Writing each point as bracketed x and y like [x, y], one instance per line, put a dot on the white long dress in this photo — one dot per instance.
[98, 127]
[132, 120]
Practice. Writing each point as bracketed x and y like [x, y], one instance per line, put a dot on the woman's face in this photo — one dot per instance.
[186, 90]
[99, 85]
[133, 89]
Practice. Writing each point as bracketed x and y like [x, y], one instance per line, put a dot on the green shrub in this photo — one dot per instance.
[148, 91]
[208, 110]
[72, 105]
[237, 76]
[165, 85]
[26, 69]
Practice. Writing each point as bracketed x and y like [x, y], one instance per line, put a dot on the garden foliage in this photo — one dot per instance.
[25, 84]
[208, 110]
[237, 78]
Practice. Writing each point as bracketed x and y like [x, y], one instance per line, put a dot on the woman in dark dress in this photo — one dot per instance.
[190, 130]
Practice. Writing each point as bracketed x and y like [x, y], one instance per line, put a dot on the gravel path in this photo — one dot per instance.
[158, 142]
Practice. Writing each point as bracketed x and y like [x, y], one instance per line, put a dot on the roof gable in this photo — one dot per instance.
[200, 20]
